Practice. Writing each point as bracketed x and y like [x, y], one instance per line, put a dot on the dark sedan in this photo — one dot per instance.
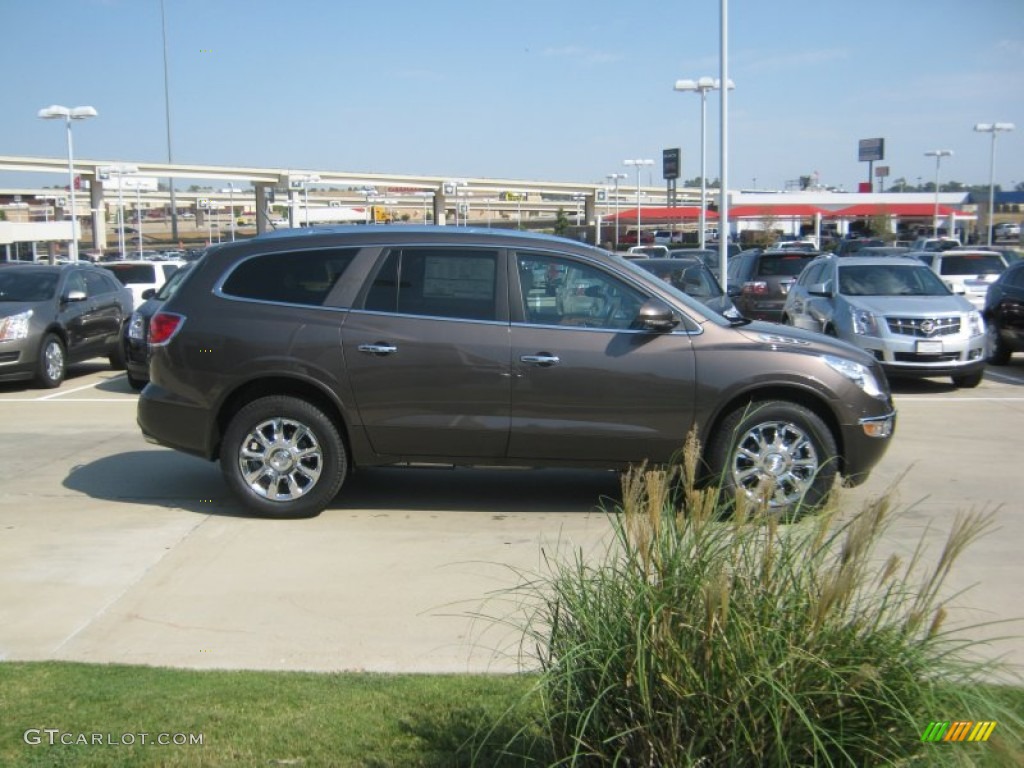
[54, 315]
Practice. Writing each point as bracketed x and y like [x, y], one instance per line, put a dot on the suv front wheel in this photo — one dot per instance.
[777, 454]
[283, 457]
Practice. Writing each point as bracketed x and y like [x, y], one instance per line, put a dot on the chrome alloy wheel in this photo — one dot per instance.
[775, 463]
[280, 459]
[53, 360]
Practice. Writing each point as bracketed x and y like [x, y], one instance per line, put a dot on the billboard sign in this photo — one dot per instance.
[870, 150]
[670, 163]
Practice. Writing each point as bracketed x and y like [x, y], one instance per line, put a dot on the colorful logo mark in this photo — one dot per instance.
[959, 730]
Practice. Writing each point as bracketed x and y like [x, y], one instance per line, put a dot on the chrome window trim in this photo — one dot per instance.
[380, 313]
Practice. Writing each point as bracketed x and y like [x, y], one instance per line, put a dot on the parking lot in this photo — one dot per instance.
[114, 550]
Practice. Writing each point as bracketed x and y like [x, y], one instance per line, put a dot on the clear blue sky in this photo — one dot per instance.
[531, 89]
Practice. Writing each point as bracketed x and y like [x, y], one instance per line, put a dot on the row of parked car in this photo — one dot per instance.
[920, 313]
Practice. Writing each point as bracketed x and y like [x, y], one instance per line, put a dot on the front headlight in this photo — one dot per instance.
[863, 322]
[15, 326]
[975, 325]
[859, 374]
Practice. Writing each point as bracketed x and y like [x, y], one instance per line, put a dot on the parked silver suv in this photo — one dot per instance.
[894, 308]
[295, 358]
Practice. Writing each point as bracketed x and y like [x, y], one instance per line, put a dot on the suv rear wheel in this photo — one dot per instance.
[776, 453]
[283, 457]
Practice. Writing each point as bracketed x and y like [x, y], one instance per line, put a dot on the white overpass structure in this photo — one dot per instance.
[260, 190]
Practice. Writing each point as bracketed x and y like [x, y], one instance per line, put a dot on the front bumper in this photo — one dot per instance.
[911, 356]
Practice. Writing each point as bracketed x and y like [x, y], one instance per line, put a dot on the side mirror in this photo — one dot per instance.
[74, 295]
[821, 289]
[655, 315]
[734, 290]
[149, 293]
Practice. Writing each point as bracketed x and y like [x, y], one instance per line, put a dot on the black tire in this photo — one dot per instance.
[118, 355]
[779, 447]
[52, 365]
[137, 384]
[998, 352]
[294, 457]
[968, 381]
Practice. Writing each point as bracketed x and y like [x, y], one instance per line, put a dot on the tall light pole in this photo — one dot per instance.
[231, 209]
[57, 112]
[702, 86]
[938, 154]
[638, 164]
[992, 128]
[614, 178]
[167, 118]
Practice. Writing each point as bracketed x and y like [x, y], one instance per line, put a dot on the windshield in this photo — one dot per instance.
[971, 264]
[692, 279]
[782, 264]
[129, 274]
[16, 285]
[687, 301]
[890, 280]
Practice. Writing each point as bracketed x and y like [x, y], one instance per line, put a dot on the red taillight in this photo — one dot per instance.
[756, 287]
[163, 326]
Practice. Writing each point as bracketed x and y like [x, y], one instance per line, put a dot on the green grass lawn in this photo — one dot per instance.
[282, 718]
[259, 718]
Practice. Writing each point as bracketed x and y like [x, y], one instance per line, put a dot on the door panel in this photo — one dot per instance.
[428, 359]
[585, 386]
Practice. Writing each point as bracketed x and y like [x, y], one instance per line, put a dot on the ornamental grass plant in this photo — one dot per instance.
[703, 639]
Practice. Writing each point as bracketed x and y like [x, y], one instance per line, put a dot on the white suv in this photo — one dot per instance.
[967, 272]
[141, 276]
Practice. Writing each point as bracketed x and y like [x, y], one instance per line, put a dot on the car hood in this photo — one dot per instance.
[788, 337]
[9, 308]
[911, 305]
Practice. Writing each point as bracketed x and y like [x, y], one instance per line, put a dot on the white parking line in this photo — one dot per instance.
[1003, 377]
[69, 400]
[67, 391]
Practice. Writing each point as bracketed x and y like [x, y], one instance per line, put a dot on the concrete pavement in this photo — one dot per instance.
[113, 550]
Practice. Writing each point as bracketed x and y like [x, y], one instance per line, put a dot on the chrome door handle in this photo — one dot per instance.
[542, 360]
[377, 349]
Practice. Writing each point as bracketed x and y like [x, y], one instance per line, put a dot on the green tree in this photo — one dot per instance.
[561, 222]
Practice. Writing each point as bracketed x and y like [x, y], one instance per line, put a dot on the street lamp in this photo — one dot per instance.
[992, 128]
[702, 86]
[938, 154]
[120, 170]
[614, 177]
[57, 112]
[639, 164]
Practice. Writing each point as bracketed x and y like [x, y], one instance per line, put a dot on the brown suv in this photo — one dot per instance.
[297, 356]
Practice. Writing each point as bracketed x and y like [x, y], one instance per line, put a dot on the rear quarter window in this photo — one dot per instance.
[292, 277]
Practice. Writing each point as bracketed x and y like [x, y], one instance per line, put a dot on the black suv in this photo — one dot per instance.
[758, 281]
[297, 356]
[1004, 315]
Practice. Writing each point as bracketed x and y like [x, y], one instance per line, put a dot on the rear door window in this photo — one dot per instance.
[437, 282]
